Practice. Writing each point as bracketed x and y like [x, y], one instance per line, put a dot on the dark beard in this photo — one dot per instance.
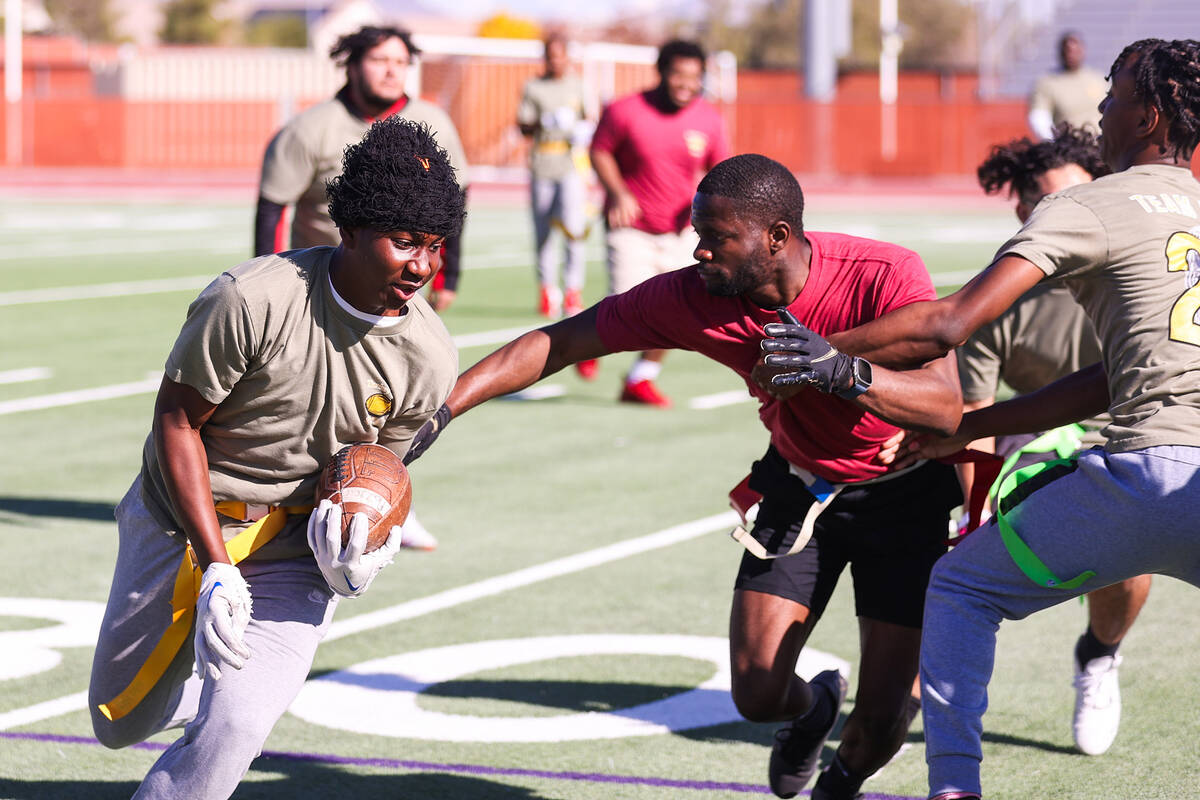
[749, 276]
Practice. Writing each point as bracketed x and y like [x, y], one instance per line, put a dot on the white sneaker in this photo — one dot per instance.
[1097, 704]
[414, 536]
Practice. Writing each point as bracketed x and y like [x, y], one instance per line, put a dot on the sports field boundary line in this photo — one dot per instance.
[460, 769]
[443, 600]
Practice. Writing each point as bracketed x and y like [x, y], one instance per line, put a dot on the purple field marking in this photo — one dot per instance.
[464, 769]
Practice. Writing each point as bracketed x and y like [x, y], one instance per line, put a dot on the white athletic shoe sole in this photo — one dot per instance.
[1097, 704]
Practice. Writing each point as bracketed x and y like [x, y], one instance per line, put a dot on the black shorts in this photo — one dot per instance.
[890, 533]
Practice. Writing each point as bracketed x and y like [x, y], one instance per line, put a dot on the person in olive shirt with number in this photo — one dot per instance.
[1128, 246]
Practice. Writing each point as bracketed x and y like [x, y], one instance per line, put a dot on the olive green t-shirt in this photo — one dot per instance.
[1128, 247]
[1072, 97]
[558, 105]
[1042, 337]
[295, 376]
[307, 152]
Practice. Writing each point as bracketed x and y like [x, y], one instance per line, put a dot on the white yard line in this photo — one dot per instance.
[708, 402]
[98, 290]
[40, 711]
[78, 396]
[444, 600]
[25, 375]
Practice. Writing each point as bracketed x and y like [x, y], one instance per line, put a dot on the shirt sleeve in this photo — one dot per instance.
[647, 317]
[1039, 98]
[527, 111]
[607, 135]
[980, 364]
[288, 169]
[718, 149]
[1062, 238]
[215, 346]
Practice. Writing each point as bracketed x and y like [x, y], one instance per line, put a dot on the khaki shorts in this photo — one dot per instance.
[635, 256]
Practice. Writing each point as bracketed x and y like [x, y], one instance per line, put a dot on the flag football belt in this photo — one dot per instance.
[744, 499]
[268, 521]
[1018, 485]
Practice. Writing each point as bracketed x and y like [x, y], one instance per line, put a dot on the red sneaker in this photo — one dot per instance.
[550, 302]
[646, 393]
[573, 303]
[587, 369]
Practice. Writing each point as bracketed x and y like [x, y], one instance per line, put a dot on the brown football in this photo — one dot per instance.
[371, 479]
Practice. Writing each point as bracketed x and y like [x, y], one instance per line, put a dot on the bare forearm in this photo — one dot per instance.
[1077, 396]
[608, 172]
[903, 338]
[926, 399]
[184, 465]
[526, 360]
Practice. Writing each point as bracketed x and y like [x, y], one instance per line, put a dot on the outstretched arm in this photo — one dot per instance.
[520, 363]
[920, 332]
[526, 360]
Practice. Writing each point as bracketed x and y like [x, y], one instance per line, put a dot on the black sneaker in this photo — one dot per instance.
[796, 752]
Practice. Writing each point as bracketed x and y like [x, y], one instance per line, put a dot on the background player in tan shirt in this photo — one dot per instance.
[1128, 244]
[1068, 96]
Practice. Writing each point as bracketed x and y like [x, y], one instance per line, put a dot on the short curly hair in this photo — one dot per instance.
[1167, 75]
[397, 179]
[1019, 163]
[350, 48]
[678, 48]
[762, 190]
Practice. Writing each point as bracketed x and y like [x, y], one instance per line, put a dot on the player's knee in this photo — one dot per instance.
[756, 701]
[115, 734]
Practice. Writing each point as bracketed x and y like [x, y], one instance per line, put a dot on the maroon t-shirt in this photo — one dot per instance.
[851, 281]
[661, 156]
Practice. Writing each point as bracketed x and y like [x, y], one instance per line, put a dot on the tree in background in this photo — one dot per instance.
[507, 26]
[91, 20]
[277, 30]
[768, 34]
[192, 22]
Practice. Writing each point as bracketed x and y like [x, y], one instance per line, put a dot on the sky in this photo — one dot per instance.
[545, 10]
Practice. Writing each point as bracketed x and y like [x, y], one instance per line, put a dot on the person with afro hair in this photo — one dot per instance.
[226, 577]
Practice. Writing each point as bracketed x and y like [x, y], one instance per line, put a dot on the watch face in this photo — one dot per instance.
[862, 372]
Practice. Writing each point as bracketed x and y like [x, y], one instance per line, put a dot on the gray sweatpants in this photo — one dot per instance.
[564, 200]
[230, 717]
[1120, 515]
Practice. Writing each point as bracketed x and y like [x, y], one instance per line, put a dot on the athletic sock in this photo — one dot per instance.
[643, 370]
[817, 715]
[837, 782]
[1089, 648]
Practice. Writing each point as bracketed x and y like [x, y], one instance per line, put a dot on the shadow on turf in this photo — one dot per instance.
[49, 507]
[296, 780]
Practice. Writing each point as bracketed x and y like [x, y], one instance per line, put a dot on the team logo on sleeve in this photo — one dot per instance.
[696, 142]
[379, 405]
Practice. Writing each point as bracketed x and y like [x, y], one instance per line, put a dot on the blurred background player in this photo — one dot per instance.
[553, 113]
[1069, 95]
[282, 361]
[824, 502]
[307, 152]
[649, 151]
[1045, 336]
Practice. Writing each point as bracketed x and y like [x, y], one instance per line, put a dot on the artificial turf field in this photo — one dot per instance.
[583, 578]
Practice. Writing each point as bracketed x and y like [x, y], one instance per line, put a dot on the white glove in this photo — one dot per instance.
[222, 613]
[347, 571]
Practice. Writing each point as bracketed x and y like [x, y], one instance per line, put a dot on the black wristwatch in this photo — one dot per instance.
[860, 368]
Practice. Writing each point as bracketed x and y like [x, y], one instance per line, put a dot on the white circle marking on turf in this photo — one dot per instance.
[28, 652]
[380, 697]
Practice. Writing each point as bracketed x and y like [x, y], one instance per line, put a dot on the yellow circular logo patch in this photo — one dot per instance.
[378, 405]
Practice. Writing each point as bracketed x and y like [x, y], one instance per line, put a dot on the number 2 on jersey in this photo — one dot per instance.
[1183, 255]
